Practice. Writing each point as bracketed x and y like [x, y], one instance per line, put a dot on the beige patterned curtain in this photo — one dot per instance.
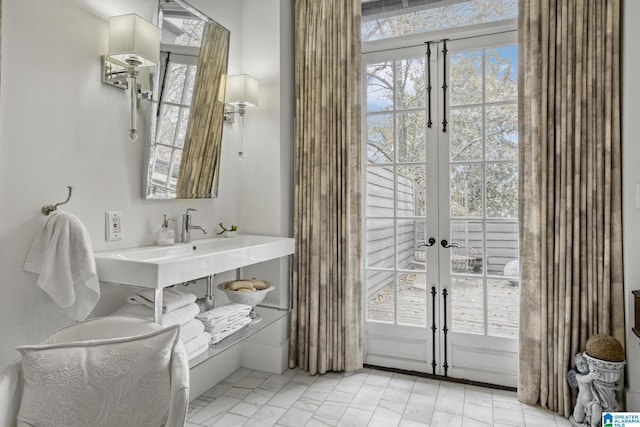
[200, 166]
[325, 333]
[570, 189]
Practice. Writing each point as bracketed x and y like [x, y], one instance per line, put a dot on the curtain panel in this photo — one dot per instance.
[200, 165]
[325, 333]
[570, 189]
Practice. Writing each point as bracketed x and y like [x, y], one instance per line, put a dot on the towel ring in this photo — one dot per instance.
[47, 209]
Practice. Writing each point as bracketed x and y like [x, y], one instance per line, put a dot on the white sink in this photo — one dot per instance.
[161, 266]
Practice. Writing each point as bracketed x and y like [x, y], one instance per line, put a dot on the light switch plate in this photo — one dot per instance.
[113, 225]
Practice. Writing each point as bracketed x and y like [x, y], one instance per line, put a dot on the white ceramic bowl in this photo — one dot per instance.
[249, 298]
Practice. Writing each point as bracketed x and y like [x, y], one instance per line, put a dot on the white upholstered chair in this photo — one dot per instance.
[111, 339]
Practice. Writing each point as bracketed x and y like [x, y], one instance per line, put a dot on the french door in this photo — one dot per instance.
[440, 208]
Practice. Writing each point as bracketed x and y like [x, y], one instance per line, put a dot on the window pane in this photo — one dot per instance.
[410, 235]
[410, 83]
[411, 137]
[380, 191]
[501, 73]
[380, 243]
[468, 256]
[411, 190]
[191, 79]
[467, 306]
[503, 306]
[182, 130]
[162, 160]
[379, 86]
[175, 168]
[380, 296]
[465, 141]
[412, 299]
[502, 249]
[376, 24]
[502, 132]
[466, 190]
[502, 190]
[167, 124]
[174, 85]
[184, 31]
[380, 138]
[466, 78]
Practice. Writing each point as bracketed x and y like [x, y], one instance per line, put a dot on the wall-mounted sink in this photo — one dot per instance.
[161, 266]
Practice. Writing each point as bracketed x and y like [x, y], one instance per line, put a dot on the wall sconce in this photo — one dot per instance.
[133, 43]
[242, 92]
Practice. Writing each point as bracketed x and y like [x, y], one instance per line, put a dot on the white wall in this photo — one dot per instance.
[60, 126]
[631, 177]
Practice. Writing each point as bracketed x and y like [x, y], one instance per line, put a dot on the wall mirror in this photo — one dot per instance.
[187, 113]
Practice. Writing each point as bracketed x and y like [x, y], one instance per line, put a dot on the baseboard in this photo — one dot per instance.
[265, 356]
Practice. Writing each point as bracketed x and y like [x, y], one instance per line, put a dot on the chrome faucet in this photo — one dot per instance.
[187, 227]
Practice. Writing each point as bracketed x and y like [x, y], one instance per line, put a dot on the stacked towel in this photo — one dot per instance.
[62, 255]
[178, 308]
[224, 321]
[179, 316]
[172, 299]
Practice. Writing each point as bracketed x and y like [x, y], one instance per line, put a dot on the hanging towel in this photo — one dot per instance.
[179, 316]
[171, 300]
[62, 255]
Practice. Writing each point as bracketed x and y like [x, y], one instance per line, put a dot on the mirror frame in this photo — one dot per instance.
[189, 163]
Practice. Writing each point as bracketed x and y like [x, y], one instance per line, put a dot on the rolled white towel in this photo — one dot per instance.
[179, 316]
[239, 324]
[172, 299]
[191, 329]
[224, 312]
[203, 338]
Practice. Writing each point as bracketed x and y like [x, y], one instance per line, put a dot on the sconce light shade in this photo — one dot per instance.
[242, 91]
[134, 41]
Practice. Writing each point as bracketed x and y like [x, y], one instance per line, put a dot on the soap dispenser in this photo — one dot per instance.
[166, 233]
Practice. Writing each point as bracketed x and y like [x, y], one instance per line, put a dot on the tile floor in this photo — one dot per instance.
[364, 398]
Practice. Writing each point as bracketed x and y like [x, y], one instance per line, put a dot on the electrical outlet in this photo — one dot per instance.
[113, 225]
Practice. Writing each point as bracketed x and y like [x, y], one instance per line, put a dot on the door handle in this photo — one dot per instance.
[448, 245]
[432, 242]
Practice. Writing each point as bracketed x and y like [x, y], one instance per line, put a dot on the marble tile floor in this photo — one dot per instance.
[364, 398]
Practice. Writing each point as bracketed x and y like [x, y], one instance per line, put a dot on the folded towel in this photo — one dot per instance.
[171, 300]
[224, 312]
[198, 351]
[203, 338]
[191, 329]
[239, 324]
[179, 316]
[223, 324]
[62, 255]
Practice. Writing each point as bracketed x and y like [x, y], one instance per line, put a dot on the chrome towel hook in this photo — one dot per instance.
[47, 209]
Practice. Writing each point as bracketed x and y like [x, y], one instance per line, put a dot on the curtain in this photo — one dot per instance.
[325, 332]
[570, 189]
[200, 165]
